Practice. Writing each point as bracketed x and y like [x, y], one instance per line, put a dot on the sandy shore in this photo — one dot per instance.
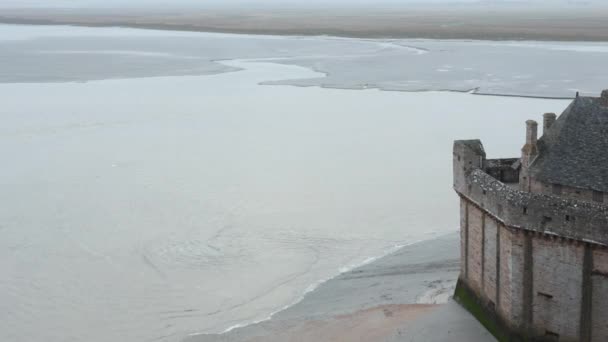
[575, 23]
[402, 297]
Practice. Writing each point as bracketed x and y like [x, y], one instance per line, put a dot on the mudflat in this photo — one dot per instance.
[484, 22]
[401, 297]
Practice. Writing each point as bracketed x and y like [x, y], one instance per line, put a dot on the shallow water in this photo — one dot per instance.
[524, 68]
[151, 208]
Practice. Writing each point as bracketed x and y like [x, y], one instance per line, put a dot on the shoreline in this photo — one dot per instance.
[304, 33]
[336, 77]
[473, 91]
[464, 23]
[313, 287]
[403, 293]
[232, 68]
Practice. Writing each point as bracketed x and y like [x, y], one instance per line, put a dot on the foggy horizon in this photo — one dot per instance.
[165, 4]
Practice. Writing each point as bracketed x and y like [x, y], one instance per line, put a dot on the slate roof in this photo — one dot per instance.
[574, 150]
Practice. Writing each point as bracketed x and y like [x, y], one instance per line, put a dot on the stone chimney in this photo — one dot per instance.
[604, 98]
[548, 120]
[528, 154]
[531, 134]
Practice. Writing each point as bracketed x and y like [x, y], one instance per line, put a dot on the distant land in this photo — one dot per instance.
[483, 22]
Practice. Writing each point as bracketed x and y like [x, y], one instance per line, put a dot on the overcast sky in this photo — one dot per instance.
[206, 3]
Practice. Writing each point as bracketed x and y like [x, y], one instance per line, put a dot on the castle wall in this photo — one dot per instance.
[475, 263]
[578, 220]
[517, 262]
[534, 282]
[538, 263]
[557, 287]
[569, 192]
[599, 309]
[490, 259]
[482, 257]
[463, 239]
[493, 258]
[505, 293]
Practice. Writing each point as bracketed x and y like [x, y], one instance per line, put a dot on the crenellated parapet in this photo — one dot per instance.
[567, 218]
[564, 217]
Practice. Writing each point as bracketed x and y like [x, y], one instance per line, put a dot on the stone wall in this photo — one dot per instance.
[505, 293]
[557, 288]
[490, 253]
[599, 309]
[537, 263]
[579, 220]
[475, 253]
[569, 192]
[490, 256]
[517, 262]
[505, 170]
[535, 282]
[463, 238]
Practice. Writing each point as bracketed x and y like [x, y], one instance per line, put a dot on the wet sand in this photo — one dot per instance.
[483, 22]
[404, 296]
[375, 324]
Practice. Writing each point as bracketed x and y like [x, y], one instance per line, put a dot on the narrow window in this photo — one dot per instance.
[598, 196]
[599, 273]
[557, 189]
[525, 210]
[567, 217]
[551, 336]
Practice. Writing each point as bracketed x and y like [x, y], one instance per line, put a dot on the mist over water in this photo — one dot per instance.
[486, 67]
[346, 4]
[149, 208]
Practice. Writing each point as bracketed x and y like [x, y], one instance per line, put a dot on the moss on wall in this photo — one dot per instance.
[485, 315]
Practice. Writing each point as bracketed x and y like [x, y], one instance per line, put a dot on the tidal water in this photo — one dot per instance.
[139, 208]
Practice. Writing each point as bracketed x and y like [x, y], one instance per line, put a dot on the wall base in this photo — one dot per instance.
[485, 313]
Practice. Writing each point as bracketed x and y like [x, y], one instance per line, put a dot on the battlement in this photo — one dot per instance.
[486, 186]
[567, 218]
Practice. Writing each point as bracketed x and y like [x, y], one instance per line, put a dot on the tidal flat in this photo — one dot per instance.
[577, 21]
[147, 199]
[41, 54]
[404, 296]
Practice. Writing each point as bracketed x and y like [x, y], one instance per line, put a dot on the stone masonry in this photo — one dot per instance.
[534, 229]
